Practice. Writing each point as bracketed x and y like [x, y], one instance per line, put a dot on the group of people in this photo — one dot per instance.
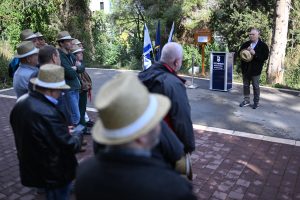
[143, 136]
[138, 136]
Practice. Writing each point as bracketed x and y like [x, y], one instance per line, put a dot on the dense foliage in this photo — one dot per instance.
[115, 39]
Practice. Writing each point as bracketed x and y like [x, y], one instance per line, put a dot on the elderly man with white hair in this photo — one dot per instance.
[162, 78]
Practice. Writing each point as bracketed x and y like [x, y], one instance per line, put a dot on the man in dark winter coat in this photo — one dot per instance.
[252, 65]
[161, 78]
[129, 126]
[45, 148]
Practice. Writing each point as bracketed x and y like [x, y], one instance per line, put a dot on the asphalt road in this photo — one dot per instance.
[278, 115]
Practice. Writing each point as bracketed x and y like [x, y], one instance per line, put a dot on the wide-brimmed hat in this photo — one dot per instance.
[64, 35]
[51, 76]
[76, 49]
[27, 34]
[76, 42]
[246, 55]
[39, 34]
[126, 110]
[25, 49]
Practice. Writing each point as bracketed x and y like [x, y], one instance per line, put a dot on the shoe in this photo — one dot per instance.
[90, 123]
[245, 103]
[255, 105]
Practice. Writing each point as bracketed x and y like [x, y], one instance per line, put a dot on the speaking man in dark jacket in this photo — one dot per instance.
[253, 54]
[129, 126]
[161, 78]
[45, 148]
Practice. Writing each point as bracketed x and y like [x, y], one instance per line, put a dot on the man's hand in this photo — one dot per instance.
[251, 50]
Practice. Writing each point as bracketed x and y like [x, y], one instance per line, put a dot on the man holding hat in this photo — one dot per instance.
[129, 126]
[253, 54]
[68, 62]
[45, 148]
[28, 55]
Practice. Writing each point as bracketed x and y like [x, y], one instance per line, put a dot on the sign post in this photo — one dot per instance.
[201, 38]
[221, 68]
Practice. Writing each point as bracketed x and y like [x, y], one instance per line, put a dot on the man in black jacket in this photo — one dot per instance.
[129, 126]
[252, 67]
[45, 148]
[161, 78]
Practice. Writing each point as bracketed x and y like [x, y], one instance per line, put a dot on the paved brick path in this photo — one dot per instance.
[225, 166]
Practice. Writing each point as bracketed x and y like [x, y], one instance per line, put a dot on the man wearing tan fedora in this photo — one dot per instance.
[253, 54]
[28, 55]
[25, 35]
[68, 62]
[129, 126]
[162, 78]
[45, 148]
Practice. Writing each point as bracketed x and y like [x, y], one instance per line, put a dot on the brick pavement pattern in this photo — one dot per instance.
[224, 166]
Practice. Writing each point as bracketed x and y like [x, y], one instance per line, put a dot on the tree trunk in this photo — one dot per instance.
[279, 40]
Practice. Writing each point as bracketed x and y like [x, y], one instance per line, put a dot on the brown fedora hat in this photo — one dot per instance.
[126, 110]
[25, 49]
[64, 35]
[27, 34]
[246, 55]
[51, 76]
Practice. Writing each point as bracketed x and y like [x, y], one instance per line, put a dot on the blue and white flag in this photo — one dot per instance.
[147, 48]
[171, 33]
[157, 43]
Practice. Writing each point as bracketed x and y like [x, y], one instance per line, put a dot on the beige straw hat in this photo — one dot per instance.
[25, 49]
[126, 110]
[27, 34]
[76, 42]
[51, 76]
[76, 49]
[246, 55]
[64, 35]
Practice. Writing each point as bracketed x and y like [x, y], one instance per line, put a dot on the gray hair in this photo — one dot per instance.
[170, 52]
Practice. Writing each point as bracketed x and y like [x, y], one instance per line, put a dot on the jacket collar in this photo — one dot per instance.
[172, 71]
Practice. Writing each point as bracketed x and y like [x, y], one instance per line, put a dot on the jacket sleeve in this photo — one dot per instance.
[180, 114]
[261, 52]
[70, 73]
[71, 143]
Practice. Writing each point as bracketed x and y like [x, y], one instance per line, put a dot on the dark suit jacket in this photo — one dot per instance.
[114, 176]
[254, 67]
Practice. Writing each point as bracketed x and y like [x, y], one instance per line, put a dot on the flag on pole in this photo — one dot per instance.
[157, 42]
[171, 33]
[147, 48]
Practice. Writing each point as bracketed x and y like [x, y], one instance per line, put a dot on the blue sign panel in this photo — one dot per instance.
[218, 71]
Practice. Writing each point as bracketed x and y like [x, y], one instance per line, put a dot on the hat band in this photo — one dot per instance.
[31, 36]
[135, 126]
[66, 38]
[78, 50]
[49, 85]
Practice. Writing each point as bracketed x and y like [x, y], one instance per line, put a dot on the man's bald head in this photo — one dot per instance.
[172, 54]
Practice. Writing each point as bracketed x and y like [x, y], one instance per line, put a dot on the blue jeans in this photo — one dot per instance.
[72, 105]
[62, 193]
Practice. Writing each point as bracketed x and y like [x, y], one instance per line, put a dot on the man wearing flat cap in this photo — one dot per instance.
[253, 54]
[28, 55]
[45, 148]
[129, 126]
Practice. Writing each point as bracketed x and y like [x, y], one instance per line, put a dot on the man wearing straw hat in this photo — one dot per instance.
[129, 126]
[68, 61]
[253, 54]
[28, 55]
[45, 148]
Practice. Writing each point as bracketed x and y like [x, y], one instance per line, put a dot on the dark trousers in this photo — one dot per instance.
[256, 90]
[82, 106]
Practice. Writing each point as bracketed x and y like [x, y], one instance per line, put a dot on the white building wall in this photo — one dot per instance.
[95, 5]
